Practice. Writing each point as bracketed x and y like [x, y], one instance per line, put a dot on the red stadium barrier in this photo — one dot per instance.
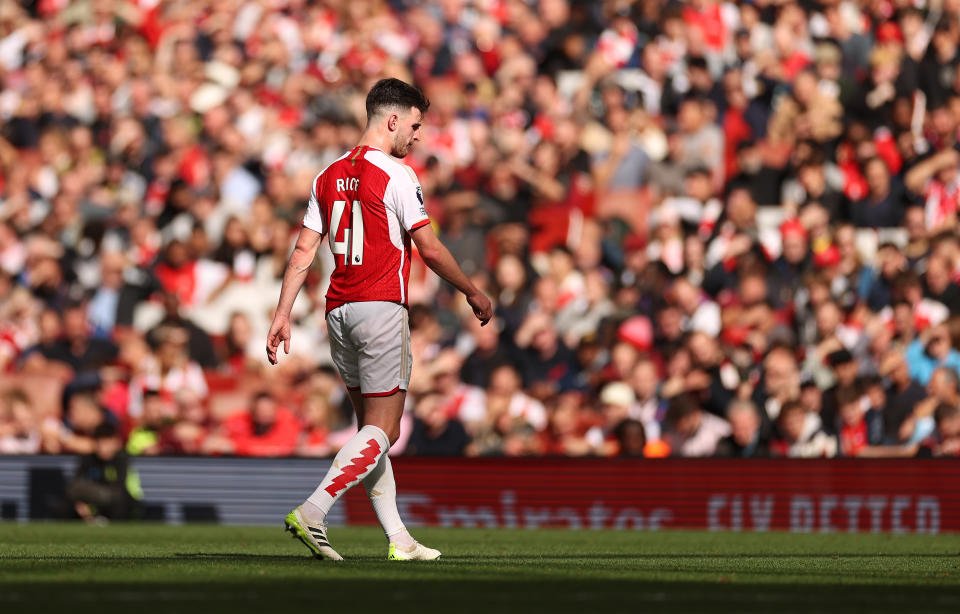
[840, 495]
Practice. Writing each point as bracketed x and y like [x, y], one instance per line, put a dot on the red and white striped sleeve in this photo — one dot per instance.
[405, 197]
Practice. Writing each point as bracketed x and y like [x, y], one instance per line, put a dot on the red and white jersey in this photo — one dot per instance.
[368, 203]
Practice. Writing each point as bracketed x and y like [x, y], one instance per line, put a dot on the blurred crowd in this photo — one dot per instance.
[709, 228]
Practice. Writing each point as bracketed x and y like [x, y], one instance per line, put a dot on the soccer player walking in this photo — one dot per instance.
[371, 205]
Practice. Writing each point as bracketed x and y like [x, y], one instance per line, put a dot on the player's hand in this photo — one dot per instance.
[482, 307]
[279, 331]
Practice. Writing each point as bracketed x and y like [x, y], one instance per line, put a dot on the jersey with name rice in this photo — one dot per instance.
[367, 203]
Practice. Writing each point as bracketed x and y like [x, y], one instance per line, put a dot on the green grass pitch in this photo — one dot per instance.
[148, 568]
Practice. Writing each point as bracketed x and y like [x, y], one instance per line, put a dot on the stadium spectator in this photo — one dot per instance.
[104, 486]
[318, 418]
[719, 376]
[263, 429]
[883, 206]
[845, 370]
[903, 395]
[631, 439]
[506, 391]
[780, 384]
[435, 433]
[198, 344]
[617, 404]
[859, 428]
[547, 364]
[692, 431]
[890, 263]
[488, 354]
[746, 440]
[19, 432]
[567, 430]
[650, 407]
[929, 351]
[173, 370]
[150, 436]
[238, 351]
[795, 441]
[945, 441]
[943, 388]
[77, 349]
[191, 425]
[75, 434]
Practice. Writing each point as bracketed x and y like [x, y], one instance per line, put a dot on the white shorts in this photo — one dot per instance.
[370, 344]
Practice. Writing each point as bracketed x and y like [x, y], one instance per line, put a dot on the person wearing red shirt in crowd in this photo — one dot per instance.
[236, 342]
[566, 434]
[858, 426]
[266, 429]
[707, 18]
[192, 426]
[937, 181]
[318, 418]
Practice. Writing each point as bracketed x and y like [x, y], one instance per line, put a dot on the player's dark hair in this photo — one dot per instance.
[394, 93]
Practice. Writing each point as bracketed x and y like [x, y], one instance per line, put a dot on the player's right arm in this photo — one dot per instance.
[314, 227]
[438, 257]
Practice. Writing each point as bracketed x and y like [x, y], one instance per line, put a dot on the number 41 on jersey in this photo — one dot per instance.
[351, 247]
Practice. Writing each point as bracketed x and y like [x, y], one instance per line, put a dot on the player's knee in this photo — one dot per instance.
[390, 429]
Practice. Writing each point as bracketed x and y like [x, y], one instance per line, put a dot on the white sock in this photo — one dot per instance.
[353, 462]
[382, 490]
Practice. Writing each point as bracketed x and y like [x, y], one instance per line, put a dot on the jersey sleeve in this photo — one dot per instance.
[405, 198]
[313, 219]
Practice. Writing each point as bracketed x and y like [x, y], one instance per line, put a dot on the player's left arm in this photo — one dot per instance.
[293, 277]
[405, 196]
[436, 256]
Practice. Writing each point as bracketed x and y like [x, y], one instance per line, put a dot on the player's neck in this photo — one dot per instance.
[375, 140]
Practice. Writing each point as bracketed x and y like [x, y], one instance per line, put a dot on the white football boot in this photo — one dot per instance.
[417, 552]
[313, 536]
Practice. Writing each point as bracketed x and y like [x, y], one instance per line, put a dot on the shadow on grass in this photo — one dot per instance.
[414, 595]
[257, 570]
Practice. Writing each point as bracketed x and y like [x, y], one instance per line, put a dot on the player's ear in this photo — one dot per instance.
[393, 122]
